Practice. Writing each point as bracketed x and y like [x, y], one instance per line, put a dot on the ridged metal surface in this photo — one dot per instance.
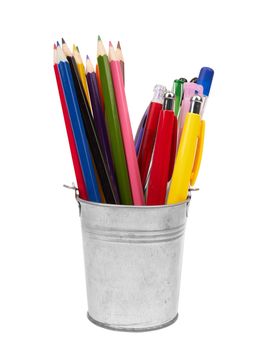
[133, 258]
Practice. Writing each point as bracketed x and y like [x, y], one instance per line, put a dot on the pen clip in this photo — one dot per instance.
[198, 155]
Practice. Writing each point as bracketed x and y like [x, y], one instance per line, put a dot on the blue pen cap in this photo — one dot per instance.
[205, 79]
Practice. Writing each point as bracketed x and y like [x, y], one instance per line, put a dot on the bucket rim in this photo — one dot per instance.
[143, 207]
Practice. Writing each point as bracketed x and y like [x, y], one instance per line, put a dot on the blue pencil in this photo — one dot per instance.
[78, 127]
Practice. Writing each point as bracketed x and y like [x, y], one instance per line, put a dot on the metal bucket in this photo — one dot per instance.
[133, 259]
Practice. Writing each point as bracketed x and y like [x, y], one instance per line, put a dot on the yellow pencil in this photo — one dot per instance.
[189, 154]
[82, 72]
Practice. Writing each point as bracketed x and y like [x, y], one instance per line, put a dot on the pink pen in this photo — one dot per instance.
[190, 89]
[131, 158]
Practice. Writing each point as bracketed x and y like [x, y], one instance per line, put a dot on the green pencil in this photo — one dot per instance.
[113, 125]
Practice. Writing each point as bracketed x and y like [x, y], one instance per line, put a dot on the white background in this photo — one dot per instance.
[227, 294]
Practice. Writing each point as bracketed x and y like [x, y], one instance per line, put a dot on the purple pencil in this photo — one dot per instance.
[100, 125]
[140, 131]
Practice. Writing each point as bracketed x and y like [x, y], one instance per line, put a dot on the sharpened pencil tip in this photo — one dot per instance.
[110, 43]
[77, 48]
[87, 57]
[99, 38]
[63, 41]
[118, 45]
[57, 42]
[54, 46]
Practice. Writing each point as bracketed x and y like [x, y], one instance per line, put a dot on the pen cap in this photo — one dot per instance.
[169, 101]
[159, 93]
[196, 104]
[205, 79]
[178, 84]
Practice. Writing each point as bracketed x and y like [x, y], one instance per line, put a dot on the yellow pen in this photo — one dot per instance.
[189, 154]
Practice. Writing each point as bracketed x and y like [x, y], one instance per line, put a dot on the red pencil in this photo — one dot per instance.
[75, 159]
[161, 162]
[147, 144]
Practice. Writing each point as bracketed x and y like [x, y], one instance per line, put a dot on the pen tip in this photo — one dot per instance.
[118, 45]
[63, 41]
[99, 38]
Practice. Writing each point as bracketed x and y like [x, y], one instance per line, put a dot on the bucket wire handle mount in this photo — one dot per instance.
[76, 193]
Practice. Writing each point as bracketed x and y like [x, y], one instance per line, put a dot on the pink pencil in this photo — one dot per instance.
[132, 163]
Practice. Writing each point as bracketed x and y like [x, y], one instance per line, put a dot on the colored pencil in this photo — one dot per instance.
[120, 58]
[90, 129]
[73, 150]
[113, 125]
[78, 127]
[140, 131]
[99, 122]
[132, 164]
[100, 87]
[81, 71]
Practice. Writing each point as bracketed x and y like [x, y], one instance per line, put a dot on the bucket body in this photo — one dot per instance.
[133, 259]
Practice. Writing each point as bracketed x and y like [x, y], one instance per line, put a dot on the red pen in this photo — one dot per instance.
[162, 156]
[147, 144]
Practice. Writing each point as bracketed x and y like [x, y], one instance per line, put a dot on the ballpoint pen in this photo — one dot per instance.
[189, 154]
[190, 89]
[205, 79]
[147, 144]
[160, 164]
[178, 89]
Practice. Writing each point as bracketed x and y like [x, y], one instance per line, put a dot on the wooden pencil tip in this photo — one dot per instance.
[77, 48]
[118, 45]
[87, 57]
[110, 44]
[54, 46]
[57, 43]
[63, 41]
[99, 38]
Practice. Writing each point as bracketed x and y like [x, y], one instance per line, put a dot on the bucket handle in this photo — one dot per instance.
[76, 194]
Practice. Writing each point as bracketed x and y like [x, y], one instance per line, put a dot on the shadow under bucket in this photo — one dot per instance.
[133, 260]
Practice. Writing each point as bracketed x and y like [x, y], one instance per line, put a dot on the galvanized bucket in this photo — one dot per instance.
[133, 260]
